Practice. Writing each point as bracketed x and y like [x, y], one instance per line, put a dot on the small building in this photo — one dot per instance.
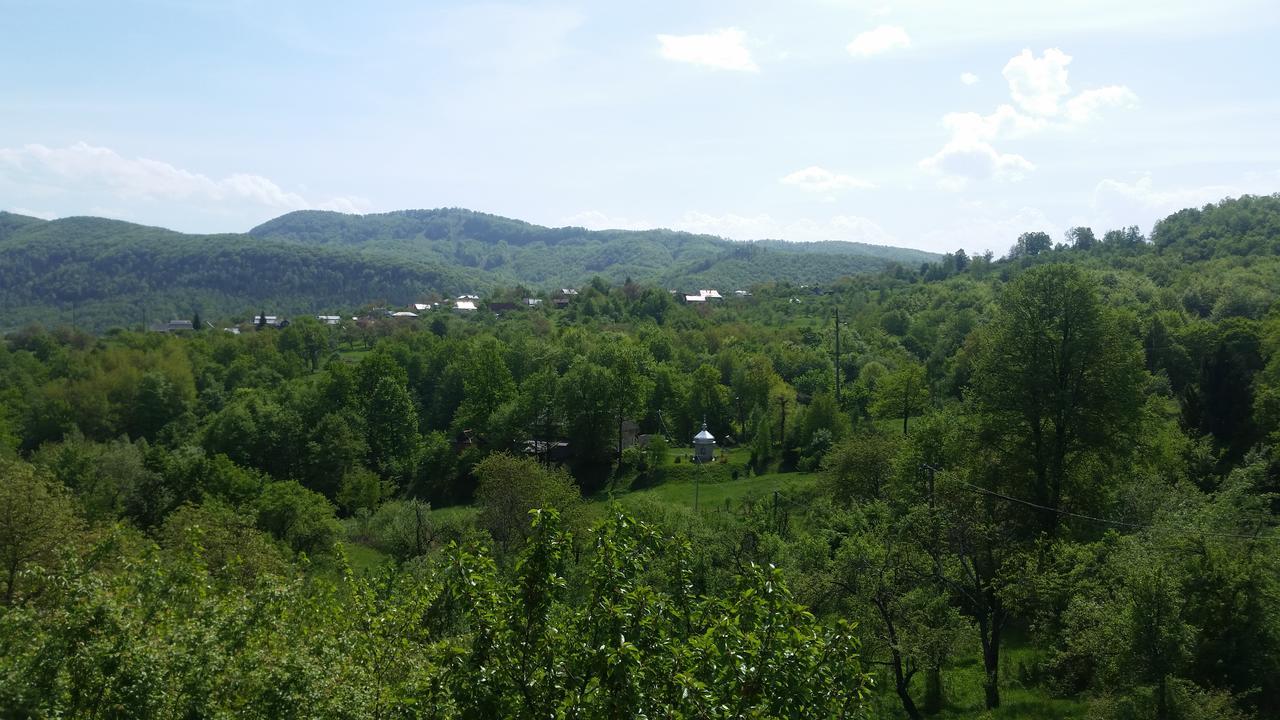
[550, 450]
[465, 306]
[404, 314]
[329, 319]
[468, 296]
[704, 446]
[568, 291]
[271, 320]
[710, 294]
[532, 302]
[694, 298]
[419, 307]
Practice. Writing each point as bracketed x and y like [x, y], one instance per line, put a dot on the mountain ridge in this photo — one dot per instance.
[99, 273]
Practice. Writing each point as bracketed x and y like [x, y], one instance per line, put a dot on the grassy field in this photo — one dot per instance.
[715, 494]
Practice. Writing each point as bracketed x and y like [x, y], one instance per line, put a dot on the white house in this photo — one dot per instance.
[404, 314]
[464, 305]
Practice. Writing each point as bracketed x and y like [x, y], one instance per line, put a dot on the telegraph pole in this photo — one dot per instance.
[837, 357]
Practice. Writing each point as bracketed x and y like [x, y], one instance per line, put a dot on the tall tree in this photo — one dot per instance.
[1056, 380]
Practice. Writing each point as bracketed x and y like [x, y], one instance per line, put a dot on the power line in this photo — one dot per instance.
[1108, 521]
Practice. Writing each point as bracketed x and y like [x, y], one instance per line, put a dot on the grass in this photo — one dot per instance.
[456, 515]
[714, 494]
[962, 683]
[363, 558]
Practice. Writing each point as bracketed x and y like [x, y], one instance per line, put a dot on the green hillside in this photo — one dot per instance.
[99, 273]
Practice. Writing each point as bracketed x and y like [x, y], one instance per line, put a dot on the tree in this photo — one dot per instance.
[1056, 381]
[903, 393]
[486, 382]
[509, 487]
[1031, 244]
[306, 339]
[390, 417]
[298, 517]
[36, 518]
[1081, 238]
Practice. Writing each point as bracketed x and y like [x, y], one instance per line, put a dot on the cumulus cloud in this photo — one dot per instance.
[597, 220]
[722, 49]
[1141, 201]
[968, 78]
[960, 162]
[1088, 105]
[1041, 100]
[821, 180]
[88, 176]
[1037, 84]
[879, 41]
[978, 227]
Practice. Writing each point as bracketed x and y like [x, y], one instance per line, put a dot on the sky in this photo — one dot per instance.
[920, 123]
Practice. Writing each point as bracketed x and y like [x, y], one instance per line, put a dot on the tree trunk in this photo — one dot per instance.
[1162, 698]
[991, 664]
[933, 690]
[901, 678]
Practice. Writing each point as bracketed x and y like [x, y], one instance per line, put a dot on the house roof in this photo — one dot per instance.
[694, 298]
[464, 305]
[404, 314]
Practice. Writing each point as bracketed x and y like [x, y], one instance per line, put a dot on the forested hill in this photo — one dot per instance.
[513, 251]
[98, 273]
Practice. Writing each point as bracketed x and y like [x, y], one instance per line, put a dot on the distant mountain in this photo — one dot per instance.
[101, 273]
[512, 251]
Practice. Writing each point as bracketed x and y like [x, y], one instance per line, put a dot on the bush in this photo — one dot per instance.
[299, 517]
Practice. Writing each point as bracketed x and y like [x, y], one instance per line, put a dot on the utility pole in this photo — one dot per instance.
[773, 518]
[783, 402]
[696, 485]
[837, 357]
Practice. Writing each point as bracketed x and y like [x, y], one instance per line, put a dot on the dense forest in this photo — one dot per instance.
[1039, 486]
[99, 274]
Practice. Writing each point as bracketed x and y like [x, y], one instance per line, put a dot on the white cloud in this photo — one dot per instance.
[978, 227]
[1117, 203]
[1037, 86]
[597, 220]
[760, 227]
[850, 228]
[722, 49]
[878, 41]
[821, 180]
[82, 176]
[961, 161]
[968, 78]
[1086, 106]
[42, 214]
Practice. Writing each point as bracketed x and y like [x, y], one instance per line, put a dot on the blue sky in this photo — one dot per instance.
[933, 125]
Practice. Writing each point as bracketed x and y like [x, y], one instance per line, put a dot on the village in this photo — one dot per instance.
[464, 304]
